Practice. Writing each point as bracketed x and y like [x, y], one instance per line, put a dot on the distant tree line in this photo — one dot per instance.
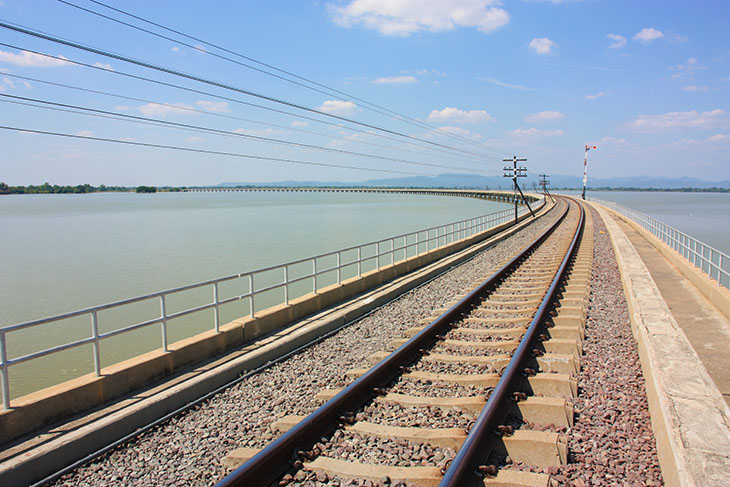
[667, 190]
[47, 188]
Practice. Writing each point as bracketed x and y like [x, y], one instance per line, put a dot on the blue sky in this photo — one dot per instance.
[647, 82]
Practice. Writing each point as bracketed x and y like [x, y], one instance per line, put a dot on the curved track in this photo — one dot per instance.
[496, 363]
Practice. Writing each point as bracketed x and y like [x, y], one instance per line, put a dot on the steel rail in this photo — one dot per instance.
[463, 470]
[272, 462]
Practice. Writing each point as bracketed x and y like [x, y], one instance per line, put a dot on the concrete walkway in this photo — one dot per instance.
[680, 336]
[706, 328]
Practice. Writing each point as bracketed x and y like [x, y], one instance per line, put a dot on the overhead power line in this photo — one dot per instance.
[160, 122]
[231, 117]
[461, 153]
[207, 151]
[298, 80]
[105, 53]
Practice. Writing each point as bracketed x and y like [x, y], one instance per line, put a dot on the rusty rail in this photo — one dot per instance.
[273, 461]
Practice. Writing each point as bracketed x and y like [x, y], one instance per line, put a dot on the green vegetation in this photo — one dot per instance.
[46, 188]
[146, 189]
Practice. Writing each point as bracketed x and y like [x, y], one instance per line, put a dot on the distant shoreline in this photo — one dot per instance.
[88, 189]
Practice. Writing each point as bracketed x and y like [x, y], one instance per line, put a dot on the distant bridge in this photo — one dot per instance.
[504, 196]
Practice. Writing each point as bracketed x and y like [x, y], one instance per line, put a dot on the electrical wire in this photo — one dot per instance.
[223, 115]
[482, 159]
[208, 151]
[160, 122]
[328, 90]
[109, 54]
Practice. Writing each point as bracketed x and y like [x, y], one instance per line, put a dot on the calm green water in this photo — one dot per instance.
[59, 253]
[704, 216]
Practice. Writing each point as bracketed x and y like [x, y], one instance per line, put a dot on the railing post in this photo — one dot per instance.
[216, 310]
[377, 256]
[4, 370]
[163, 317]
[339, 275]
[392, 251]
[359, 261]
[250, 295]
[314, 275]
[95, 334]
[286, 285]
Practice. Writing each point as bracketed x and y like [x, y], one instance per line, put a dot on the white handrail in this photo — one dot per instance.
[456, 231]
[714, 263]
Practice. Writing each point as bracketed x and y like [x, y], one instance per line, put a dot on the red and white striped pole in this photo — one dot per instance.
[585, 168]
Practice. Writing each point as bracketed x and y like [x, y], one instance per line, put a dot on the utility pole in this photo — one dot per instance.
[585, 168]
[544, 182]
[515, 172]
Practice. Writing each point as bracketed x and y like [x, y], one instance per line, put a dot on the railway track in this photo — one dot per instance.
[479, 393]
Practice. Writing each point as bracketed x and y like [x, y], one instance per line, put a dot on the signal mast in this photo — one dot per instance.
[585, 168]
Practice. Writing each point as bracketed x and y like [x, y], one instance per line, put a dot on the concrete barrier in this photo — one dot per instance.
[718, 295]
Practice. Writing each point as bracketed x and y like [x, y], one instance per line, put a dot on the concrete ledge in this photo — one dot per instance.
[690, 419]
[711, 289]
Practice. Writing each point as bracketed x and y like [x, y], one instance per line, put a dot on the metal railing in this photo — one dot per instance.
[351, 260]
[711, 261]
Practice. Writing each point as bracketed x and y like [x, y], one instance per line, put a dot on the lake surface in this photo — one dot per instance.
[704, 216]
[59, 253]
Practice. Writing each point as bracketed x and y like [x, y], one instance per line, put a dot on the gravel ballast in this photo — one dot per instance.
[611, 442]
[187, 450]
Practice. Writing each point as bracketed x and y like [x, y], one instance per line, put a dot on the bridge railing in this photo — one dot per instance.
[714, 263]
[323, 270]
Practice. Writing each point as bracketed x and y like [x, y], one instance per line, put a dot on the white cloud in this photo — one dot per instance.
[687, 69]
[396, 80]
[648, 34]
[680, 120]
[213, 106]
[598, 95]
[299, 123]
[406, 17]
[694, 88]
[337, 107]
[32, 59]
[719, 138]
[546, 116]
[258, 132]
[104, 66]
[426, 72]
[85, 133]
[497, 82]
[158, 110]
[177, 50]
[456, 115]
[618, 41]
[461, 132]
[194, 139]
[610, 140]
[542, 45]
[534, 132]
[8, 82]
